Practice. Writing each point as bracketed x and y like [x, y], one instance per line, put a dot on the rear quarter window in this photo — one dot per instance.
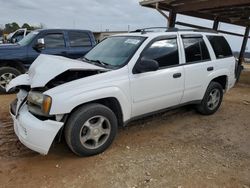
[220, 46]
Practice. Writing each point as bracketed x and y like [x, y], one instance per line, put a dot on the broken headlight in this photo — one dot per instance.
[39, 103]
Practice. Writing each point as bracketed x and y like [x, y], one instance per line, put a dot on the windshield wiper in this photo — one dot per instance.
[100, 62]
[96, 62]
[85, 59]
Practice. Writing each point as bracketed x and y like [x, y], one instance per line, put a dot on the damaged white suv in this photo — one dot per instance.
[123, 78]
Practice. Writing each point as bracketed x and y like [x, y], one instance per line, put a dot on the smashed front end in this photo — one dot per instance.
[35, 127]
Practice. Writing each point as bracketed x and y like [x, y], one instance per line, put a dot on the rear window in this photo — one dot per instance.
[220, 46]
[79, 39]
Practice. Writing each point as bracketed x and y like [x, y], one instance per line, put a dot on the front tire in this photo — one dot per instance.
[91, 129]
[6, 75]
[212, 99]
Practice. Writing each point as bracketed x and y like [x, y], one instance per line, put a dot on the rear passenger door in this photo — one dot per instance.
[197, 67]
[79, 44]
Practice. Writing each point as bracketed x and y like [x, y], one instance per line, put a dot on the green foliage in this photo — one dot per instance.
[1, 32]
[11, 27]
[27, 26]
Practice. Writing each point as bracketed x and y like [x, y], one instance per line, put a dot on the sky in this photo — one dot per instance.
[95, 15]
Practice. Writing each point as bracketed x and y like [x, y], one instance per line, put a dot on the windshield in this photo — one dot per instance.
[114, 51]
[27, 39]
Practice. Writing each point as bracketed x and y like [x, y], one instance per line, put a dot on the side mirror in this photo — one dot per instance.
[146, 65]
[40, 45]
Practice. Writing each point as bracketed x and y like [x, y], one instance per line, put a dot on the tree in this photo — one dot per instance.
[11, 27]
[27, 26]
[1, 29]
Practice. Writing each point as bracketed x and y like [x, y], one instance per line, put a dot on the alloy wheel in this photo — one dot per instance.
[213, 99]
[95, 132]
[5, 79]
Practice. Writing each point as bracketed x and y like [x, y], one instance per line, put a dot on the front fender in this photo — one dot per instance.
[22, 80]
[64, 103]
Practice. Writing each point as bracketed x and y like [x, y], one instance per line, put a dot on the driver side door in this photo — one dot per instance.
[54, 45]
[160, 89]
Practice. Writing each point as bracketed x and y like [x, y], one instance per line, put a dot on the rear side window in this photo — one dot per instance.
[54, 40]
[220, 46]
[79, 39]
[195, 49]
[165, 52]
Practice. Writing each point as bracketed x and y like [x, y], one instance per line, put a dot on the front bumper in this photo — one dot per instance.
[34, 133]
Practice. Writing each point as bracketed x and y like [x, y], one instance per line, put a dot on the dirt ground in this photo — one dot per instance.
[178, 149]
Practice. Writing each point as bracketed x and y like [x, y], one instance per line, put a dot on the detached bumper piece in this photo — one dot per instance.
[35, 134]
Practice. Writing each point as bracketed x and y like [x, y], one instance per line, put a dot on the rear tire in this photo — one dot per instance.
[212, 99]
[6, 75]
[91, 129]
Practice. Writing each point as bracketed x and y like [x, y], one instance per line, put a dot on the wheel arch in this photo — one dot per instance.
[219, 77]
[222, 80]
[14, 64]
[110, 102]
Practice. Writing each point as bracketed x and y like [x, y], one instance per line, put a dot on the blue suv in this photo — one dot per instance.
[15, 59]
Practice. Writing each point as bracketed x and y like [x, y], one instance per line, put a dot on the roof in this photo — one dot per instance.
[59, 30]
[150, 34]
[166, 29]
[229, 11]
[97, 32]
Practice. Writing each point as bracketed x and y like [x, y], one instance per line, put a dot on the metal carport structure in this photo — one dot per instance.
[235, 12]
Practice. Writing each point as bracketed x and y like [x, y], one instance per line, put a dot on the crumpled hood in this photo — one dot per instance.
[47, 67]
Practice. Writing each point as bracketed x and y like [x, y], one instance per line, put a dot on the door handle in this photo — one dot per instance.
[177, 75]
[210, 68]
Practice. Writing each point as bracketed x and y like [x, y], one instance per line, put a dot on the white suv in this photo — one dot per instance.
[123, 78]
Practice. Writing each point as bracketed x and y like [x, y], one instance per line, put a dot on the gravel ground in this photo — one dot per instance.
[179, 149]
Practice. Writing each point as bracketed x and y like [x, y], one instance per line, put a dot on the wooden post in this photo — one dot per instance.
[244, 44]
[161, 12]
[171, 19]
[216, 24]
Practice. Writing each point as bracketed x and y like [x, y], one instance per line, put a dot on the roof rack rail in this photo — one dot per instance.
[148, 29]
[171, 29]
[199, 30]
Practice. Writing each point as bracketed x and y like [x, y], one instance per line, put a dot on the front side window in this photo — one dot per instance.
[165, 52]
[220, 46]
[18, 36]
[195, 49]
[114, 51]
[28, 38]
[54, 41]
[79, 39]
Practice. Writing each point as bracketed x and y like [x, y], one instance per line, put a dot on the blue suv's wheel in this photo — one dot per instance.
[6, 75]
